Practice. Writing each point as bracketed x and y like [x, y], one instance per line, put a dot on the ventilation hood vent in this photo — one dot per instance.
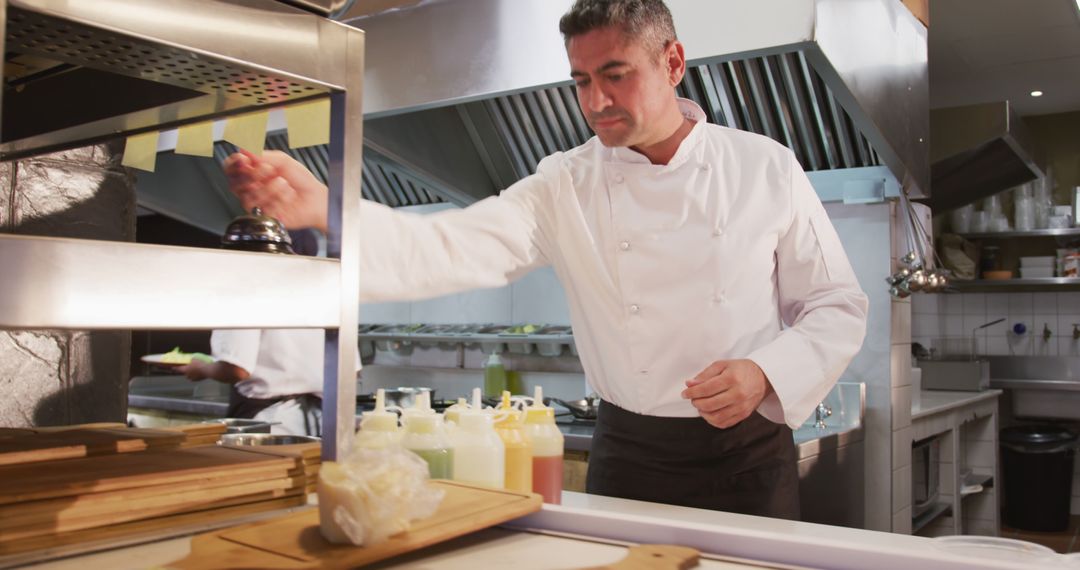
[978, 151]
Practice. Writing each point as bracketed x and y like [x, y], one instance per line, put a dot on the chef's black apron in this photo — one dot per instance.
[748, 468]
[240, 406]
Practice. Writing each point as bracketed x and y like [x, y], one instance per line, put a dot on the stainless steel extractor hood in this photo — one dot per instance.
[464, 97]
[978, 151]
[486, 92]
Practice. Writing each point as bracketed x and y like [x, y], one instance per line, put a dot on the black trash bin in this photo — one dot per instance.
[1037, 464]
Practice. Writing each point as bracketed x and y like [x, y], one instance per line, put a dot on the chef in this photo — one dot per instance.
[713, 305]
[276, 375]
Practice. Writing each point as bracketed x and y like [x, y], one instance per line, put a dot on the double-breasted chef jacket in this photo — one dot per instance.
[725, 252]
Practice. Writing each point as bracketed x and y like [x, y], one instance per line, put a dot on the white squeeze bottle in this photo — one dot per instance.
[425, 436]
[479, 454]
[379, 427]
[453, 413]
[547, 449]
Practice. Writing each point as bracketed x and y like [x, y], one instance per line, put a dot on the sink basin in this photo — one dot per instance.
[1041, 386]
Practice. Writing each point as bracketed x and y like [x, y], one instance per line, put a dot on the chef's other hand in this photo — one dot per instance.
[281, 186]
[727, 391]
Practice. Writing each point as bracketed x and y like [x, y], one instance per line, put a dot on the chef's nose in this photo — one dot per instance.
[597, 97]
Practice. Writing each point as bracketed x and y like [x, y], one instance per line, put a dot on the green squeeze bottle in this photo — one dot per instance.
[426, 437]
[494, 377]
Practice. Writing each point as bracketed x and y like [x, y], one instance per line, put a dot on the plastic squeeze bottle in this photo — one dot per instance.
[479, 454]
[379, 427]
[547, 449]
[494, 377]
[511, 429]
[453, 413]
[425, 436]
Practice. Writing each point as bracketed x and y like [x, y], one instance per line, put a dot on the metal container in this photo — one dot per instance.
[265, 439]
[405, 396]
[242, 425]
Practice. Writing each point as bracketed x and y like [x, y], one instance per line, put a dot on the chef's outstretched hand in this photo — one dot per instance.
[727, 391]
[281, 186]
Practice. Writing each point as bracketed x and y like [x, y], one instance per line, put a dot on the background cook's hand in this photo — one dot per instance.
[281, 186]
[727, 391]
[195, 371]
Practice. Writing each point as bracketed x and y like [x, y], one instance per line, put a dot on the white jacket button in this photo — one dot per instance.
[635, 309]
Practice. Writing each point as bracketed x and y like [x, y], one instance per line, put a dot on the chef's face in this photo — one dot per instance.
[624, 85]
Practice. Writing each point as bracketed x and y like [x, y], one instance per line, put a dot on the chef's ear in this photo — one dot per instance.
[675, 60]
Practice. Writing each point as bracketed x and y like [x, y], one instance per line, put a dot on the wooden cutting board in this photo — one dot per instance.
[297, 542]
[147, 528]
[28, 519]
[27, 482]
[66, 445]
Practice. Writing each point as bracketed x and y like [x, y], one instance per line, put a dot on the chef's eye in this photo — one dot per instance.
[582, 83]
[615, 77]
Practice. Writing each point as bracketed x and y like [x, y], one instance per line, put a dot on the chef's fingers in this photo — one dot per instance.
[711, 370]
[727, 417]
[236, 160]
[707, 386]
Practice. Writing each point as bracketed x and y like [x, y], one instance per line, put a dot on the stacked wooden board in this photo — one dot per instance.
[87, 484]
[199, 434]
[309, 454]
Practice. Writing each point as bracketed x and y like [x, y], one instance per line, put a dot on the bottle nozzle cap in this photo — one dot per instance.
[379, 419]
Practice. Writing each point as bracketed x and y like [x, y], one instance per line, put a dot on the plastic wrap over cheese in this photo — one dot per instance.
[373, 495]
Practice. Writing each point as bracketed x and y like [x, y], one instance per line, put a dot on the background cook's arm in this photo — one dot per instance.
[821, 304]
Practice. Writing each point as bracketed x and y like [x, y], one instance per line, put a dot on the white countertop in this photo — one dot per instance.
[586, 529]
[938, 401]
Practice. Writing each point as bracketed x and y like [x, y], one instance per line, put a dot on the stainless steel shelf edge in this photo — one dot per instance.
[88, 284]
[1022, 285]
[1056, 232]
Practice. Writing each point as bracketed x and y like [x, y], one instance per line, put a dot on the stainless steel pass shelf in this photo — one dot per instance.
[401, 338]
[84, 72]
[86, 284]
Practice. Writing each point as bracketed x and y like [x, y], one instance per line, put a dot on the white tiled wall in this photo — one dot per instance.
[957, 316]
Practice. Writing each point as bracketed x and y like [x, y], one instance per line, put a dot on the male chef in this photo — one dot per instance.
[712, 303]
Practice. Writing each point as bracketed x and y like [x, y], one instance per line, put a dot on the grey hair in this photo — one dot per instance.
[648, 21]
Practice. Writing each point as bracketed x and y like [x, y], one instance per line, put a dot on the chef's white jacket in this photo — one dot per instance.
[281, 362]
[723, 253]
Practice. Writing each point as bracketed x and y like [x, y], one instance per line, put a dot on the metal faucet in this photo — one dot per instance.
[820, 413]
[1076, 332]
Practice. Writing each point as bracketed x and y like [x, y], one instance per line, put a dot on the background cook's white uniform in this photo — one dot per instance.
[723, 253]
[281, 362]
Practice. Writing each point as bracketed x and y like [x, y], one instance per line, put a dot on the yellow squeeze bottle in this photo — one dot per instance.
[379, 427]
[547, 449]
[519, 476]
